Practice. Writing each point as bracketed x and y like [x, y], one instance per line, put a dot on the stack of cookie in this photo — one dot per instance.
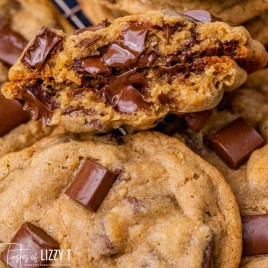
[112, 190]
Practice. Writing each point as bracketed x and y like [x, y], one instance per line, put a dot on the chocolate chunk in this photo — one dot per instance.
[93, 28]
[199, 15]
[133, 36]
[38, 101]
[11, 46]
[29, 247]
[126, 98]
[119, 57]
[196, 121]
[11, 115]
[147, 60]
[79, 92]
[93, 66]
[255, 235]
[169, 30]
[44, 44]
[88, 41]
[75, 110]
[235, 142]
[91, 185]
[208, 254]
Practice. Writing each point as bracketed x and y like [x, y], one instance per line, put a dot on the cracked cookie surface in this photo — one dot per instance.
[163, 61]
[167, 207]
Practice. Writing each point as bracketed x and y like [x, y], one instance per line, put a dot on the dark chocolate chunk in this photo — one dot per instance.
[208, 254]
[255, 235]
[93, 66]
[126, 98]
[91, 185]
[39, 102]
[11, 46]
[93, 28]
[119, 57]
[11, 115]
[235, 142]
[196, 121]
[88, 41]
[44, 44]
[29, 247]
[199, 15]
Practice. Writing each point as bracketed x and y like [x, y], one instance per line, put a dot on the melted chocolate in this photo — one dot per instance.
[126, 98]
[44, 44]
[93, 66]
[88, 41]
[75, 110]
[147, 60]
[93, 28]
[11, 46]
[39, 102]
[133, 36]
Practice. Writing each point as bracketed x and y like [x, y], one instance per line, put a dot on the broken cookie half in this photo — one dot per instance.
[133, 72]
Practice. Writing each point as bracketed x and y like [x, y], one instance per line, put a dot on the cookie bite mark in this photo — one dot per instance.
[130, 65]
[91, 185]
[235, 142]
[33, 242]
[44, 44]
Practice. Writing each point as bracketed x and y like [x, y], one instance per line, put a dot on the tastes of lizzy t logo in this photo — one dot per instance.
[17, 255]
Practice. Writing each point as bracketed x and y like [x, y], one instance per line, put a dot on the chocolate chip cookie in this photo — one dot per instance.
[233, 138]
[142, 200]
[234, 12]
[257, 28]
[164, 62]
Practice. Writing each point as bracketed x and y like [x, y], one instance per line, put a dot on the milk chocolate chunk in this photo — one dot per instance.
[93, 28]
[45, 44]
[196, 121]
[11, 46]
[235, 142]
[91, 185]
[11, 115]
[29, 247]
[171, 125]
[255, 235]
